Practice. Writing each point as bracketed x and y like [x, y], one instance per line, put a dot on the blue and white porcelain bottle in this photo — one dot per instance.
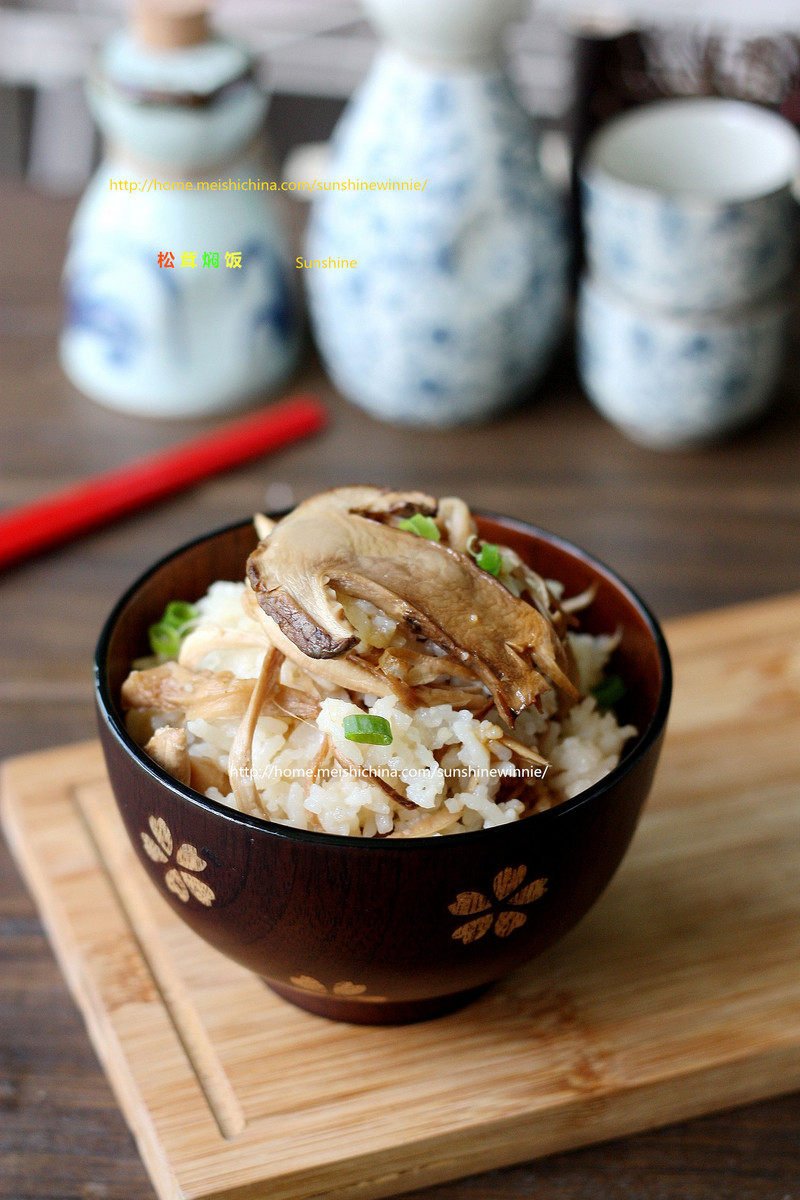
[177, 106]
[460, 288]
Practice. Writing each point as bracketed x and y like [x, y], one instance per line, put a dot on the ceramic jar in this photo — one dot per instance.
[201, 336]
[459, 289]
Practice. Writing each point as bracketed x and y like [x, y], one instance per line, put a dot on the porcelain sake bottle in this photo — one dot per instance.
[459, 291]
[177, 107]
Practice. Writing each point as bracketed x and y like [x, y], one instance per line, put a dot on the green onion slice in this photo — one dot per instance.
[490, 559]
[167, 634]
[179, 613]
[609, 691]
[164, 640]
[363, 727]
[423, 526]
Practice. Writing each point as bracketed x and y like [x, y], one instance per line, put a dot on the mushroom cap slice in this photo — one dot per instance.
[347, 672]
[339, 540]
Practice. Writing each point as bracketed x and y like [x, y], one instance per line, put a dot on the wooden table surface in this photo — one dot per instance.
[689, 530]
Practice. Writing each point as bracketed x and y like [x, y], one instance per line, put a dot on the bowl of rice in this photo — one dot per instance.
[381, 750]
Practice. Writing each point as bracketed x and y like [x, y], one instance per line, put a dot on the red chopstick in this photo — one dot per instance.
[56, 518]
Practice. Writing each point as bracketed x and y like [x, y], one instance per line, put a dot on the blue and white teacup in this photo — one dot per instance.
[675, 379]
[688, 204]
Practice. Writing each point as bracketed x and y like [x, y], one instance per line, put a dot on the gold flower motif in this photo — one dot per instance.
[344, 991]
[182, 879]
[508, 890]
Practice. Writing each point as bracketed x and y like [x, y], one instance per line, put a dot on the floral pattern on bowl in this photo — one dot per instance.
[502, 913]
[344, 990]
[182, 879]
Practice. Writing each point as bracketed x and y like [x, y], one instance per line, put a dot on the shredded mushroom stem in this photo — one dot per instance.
[263, 525]
[533, 583]
[580, 601]
[240, 759]
[457, 520]
[320, 759]
[429, 824]
[477, 703]
[296, 704]
[421, 668]
[524, 751]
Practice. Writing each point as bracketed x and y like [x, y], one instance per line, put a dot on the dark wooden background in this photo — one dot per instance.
[690, 530]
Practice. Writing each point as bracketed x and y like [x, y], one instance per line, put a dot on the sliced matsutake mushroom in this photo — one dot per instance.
[332, 541]
[240, 758]
[295, 703]
[167, 747]
[416, 668]
[296, 593]
[458, 522]
[381, 502]
[476, 702]
[398, 687]
[172, 688]
[263, 525]
[582, 600]
[345, 673]
[523, 751]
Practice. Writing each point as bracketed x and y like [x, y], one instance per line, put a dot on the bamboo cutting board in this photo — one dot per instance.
[678, 994]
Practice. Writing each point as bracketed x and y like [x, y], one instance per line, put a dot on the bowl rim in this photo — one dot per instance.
[107, 712]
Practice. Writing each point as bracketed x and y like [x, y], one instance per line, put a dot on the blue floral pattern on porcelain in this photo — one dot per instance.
[671, 381]
[460, 290]
[687, 255]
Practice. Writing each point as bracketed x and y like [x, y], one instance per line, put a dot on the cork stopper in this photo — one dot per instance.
[171, 24]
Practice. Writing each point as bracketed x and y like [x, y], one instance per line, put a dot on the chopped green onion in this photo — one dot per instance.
[179, 613]
[609, 691]
[168, 633]
[363, 727]
[490, 559]
[165, 641]
[423, 526]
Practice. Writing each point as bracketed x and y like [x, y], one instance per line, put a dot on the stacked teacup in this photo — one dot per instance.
[690, 231]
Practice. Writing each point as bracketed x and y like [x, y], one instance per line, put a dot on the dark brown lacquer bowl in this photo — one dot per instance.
[381, 931]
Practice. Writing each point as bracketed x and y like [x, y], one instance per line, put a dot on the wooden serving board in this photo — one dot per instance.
[678, 994]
